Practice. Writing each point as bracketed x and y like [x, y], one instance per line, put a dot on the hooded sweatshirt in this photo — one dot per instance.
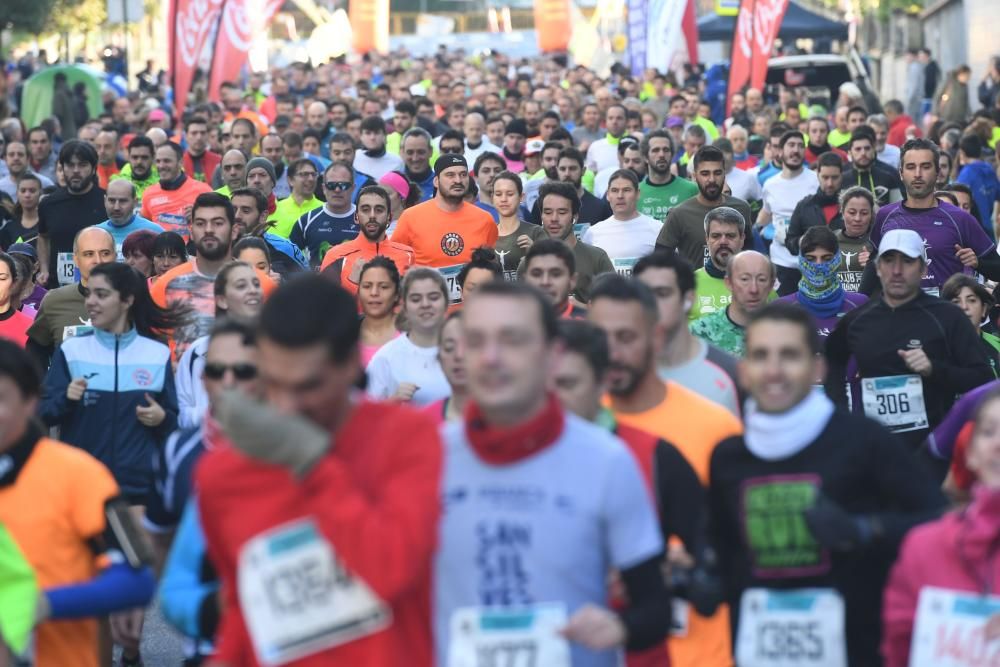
[985, 186]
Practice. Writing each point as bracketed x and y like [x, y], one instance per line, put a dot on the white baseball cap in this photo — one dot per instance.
[905, 241]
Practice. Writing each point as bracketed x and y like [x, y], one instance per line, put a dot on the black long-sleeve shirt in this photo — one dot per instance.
[763, 541]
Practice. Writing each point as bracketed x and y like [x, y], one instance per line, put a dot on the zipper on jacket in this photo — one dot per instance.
[114, 413]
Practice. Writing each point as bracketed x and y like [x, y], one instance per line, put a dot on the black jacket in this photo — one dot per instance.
[881, 180]
[809, 213]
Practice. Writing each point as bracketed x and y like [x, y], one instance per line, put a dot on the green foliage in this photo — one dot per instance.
[25, 15]
[76, 16]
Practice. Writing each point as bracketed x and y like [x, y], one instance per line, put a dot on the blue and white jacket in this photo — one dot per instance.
[120, 370]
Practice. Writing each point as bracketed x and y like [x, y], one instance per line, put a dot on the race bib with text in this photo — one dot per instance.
[526, 637]
[895, 401]
[786, 628]
[950, 630]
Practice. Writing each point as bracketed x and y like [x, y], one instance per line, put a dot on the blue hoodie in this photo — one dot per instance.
[982, 180]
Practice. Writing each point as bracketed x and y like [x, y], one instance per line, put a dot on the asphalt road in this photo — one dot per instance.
[161, 645]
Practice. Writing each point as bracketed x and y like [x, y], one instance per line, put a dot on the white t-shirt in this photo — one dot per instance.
[602, 155]
[890, 155]
[376, 167]
[602, 179]
[624, 239]
[780, 197]
[744, 185]
[544, 529]
[400, 361]
[471, 154]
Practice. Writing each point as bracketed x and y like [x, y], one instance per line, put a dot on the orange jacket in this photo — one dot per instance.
[344, 261]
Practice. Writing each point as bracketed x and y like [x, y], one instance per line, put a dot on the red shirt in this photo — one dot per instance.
[14, 326]
[347, 259]
[374, 498]
[209, 163]
[169, 208]
[897, 130]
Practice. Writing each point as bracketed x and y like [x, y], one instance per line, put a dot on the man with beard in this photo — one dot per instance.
[234, 172]
[868, 172]
[821, 208]
[168, 203]
[199, 162]
[108, 163]
[560, 208]
[603, 153]
[372, 158]
[550, 267]
[343, 263]
[628, 314]
[781, 195]
[415, 149]
[16, 156]
[328, 224]
[549, 172]
[140, 169]
[570, 169]
[749, 278]
[661, 191]
[193, 283]
[684, 229]
[953, 239]
[64, 213]
[819, 133]
[445, 230]
[250, 207]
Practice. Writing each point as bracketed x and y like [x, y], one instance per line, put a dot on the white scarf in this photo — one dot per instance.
[773, 437]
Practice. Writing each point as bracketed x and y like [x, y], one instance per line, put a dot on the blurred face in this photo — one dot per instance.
[402, 121]
[971, 305]
[39, 146]
[377, 293]
[551, 275]
[577, 387]
[106, 144]
[28, 194]
[167, 163]
[983, 457]
[632, 338]
[881, 134]
[723, 242]
[197, 138]
[693, 143]
[900, 275]
[340, 152]
[739, 141]
[862, 153]
[17, 158]
[141, 159]
[304, 182]
[738, 103]
[944, 169]
[452, 183]
[622, 196]
[273, 149]
[451, 146]
[119, 201]
[243, 137]
[840, 118]
[632, 159]
[372, 215]
[105, 307]
[672, 306]
[818, 132]
[79, 175]
[507, 357]
[140, 262]
[316, 116]
[451, 354]
[918, 171]
[793, 153]
[854, 120]
[514, 143]
[243, 296]
[710, 177]
[495, 132]
[750, 281]
[829, 180]
[474, 278]
[755, 100]
[614, 121]
[591, 116]
[230, 364]
[550, 159]
[778, 368]
[488, 170]
[256, 258]
[311, 145]
[857, 216]
[506, 197]
[372, 140]
[473, 127]
[6, 285]
[425, 306]
[557, 216]
[247, 215]
[260, 179]
[569, 171]
[211, 232]
[338, 115]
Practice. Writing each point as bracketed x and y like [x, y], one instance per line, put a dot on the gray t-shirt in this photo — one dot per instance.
[510, 254]
[684, 229]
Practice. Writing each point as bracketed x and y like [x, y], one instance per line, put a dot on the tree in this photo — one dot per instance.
[24, 15]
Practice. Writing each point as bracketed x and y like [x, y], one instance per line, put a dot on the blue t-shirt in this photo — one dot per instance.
[319, 227]
[119, 232]
[546, 529]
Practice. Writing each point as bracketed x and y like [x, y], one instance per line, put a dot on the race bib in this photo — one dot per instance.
[679, 618]
[895, 401]
[801, 628]
[172, 222]
[297, 597]
[528, 637]
[76, 330]
[65, 268]
[624, 265]
[579, 229]
[950, 630]
[450, 275]
[933, 291]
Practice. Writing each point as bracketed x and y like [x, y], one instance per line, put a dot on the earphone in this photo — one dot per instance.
[687, 304]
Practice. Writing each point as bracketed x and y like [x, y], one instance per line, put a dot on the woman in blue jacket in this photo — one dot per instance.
[111, 391]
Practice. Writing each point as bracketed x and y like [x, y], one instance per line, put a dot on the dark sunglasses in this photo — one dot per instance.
[338, 186]
[240, 371]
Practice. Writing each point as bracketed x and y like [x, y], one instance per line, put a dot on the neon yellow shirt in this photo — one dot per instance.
[286, 212]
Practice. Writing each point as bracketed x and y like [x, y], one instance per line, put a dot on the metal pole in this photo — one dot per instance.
[128, 53]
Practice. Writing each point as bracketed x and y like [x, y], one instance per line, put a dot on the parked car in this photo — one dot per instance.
[821, 75]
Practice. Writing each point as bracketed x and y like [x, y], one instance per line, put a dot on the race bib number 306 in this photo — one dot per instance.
[801, 628]
[527, 637]
[950, 630]
[897, 402]
[298, 599]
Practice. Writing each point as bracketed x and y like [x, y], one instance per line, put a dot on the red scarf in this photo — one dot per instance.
[272, 203]
[498, 445]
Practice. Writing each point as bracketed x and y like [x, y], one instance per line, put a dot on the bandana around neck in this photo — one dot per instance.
[820, 290]
[499, 445]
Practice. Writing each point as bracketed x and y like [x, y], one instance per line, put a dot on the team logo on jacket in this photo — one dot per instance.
[452, 244]
[142, 377]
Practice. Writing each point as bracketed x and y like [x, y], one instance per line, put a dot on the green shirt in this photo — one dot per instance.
[657, 200]
[711, 295]
[710, 129]
[61, 315]
[838, 139]
[140, 186]
[287, 212]
[721, 332]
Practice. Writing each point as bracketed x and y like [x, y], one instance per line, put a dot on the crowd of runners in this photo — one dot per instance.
[473, 362]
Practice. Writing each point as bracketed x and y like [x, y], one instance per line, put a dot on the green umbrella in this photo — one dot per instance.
[18, 595]
[36, 98]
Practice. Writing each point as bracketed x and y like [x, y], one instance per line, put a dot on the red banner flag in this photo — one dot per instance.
[757, 26]
[192, 23]
[242, 21]
[690, 27]
[553, 25]
[369, 25]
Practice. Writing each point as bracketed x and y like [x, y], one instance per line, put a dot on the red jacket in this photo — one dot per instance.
[958, 552]
[897, 130]
[209, 163]
[374, 498]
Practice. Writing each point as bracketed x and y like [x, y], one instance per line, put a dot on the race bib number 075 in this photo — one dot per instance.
[800, 628]
[529, 637]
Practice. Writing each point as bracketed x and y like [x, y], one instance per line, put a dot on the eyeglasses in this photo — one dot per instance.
[338, 186]
[240, 371]
[307, 174]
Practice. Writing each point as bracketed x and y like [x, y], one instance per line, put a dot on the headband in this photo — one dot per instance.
[397, 183]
